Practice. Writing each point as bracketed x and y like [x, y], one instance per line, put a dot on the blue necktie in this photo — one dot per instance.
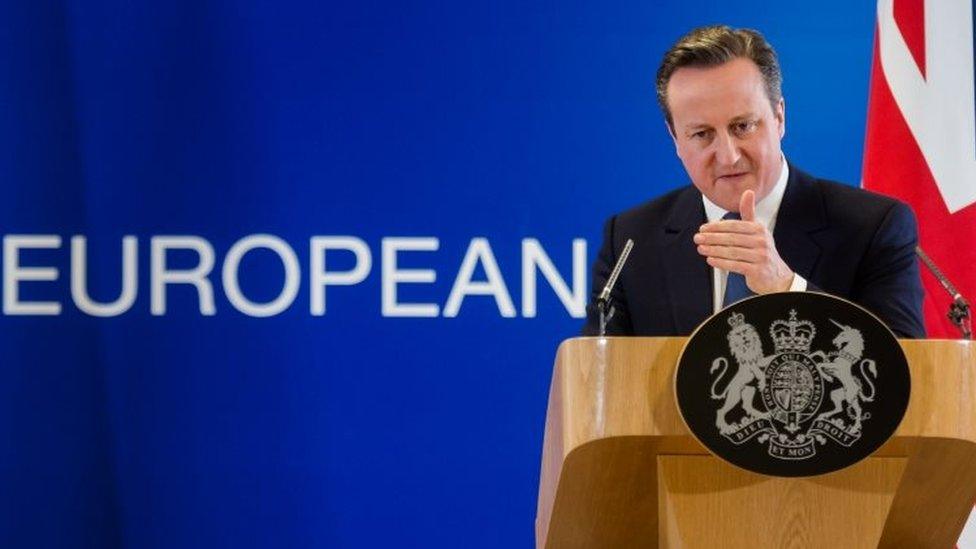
[735, 286]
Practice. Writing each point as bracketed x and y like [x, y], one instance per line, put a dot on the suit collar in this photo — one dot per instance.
[687, 276]
[801, 214]
[803, 202]
[688, 211]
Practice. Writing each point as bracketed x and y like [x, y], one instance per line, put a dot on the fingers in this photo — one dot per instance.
[747, 205]
[746, 247]
[731, 265]
[730, 239]
[732, 253]
[729, 226]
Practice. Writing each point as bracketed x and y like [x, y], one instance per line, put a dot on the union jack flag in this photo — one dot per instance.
[920, 144]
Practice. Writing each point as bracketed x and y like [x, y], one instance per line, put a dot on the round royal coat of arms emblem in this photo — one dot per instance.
[793, 384]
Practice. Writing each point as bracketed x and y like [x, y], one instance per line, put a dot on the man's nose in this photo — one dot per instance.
[727, 150]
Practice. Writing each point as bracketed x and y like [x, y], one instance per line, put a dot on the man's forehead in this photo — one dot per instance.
[738, 73]
[718, 94]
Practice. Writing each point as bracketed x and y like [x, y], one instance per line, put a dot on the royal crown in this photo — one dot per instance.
[736, 319]
[793, 335]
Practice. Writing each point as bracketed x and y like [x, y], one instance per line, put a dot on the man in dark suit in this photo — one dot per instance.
[751, 223]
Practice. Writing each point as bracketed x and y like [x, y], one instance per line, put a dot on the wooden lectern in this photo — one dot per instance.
[620, 469]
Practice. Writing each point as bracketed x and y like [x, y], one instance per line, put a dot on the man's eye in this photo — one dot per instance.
[700, 134]
[744, 127]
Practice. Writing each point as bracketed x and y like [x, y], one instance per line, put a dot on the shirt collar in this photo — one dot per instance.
[766, 208]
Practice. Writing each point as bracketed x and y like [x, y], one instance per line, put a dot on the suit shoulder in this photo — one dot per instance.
[859, 204]
[843, 193]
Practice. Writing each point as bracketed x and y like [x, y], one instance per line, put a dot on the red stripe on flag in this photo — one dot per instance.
[910, 18]
[894, 165]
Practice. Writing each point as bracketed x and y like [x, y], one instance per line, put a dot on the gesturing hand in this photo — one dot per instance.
[745, 247]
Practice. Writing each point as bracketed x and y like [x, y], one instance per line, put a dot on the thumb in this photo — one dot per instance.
[747, 206]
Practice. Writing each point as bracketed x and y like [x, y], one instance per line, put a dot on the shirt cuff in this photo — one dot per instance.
[799, 284]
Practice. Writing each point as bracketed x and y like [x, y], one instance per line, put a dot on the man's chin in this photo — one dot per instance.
[729, 195]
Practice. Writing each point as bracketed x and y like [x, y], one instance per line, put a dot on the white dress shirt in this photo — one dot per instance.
[766, 210]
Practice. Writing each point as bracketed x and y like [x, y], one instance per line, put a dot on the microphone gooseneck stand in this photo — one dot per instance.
[603, 302]
[959, 312]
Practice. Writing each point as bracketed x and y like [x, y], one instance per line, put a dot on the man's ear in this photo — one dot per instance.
[780, 113]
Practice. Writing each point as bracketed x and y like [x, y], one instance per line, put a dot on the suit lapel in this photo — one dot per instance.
[688, 277]
[801, 213]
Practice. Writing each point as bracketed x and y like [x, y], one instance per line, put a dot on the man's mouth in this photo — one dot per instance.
[731, 176]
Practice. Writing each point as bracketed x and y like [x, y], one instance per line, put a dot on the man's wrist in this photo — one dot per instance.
[799, 284]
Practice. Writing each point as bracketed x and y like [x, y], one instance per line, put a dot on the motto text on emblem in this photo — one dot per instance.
[805, 397]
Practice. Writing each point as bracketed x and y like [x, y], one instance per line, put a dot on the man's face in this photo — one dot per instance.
[725, 130]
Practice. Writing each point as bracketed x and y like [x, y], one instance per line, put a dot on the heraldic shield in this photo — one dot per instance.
[793, 384]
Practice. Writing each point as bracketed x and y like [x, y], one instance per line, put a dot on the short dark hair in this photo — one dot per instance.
[716, 45]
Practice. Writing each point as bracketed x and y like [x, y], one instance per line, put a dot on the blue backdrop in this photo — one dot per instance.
[446, 123]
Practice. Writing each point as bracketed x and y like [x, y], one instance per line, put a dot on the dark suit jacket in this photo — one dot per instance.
[844, 241]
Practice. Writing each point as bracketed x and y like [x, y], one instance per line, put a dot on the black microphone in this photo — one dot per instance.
[603, 302]
[959, 310]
